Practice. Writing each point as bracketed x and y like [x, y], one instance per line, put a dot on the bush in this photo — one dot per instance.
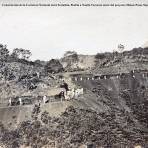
[100, 56]
[53, 66]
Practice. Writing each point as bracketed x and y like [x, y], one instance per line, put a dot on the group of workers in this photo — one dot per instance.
[19, 99]
[63, 95]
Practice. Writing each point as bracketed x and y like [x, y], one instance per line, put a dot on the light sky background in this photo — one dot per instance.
[49, 32]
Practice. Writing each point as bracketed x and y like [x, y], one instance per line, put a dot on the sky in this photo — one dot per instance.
[50, 31]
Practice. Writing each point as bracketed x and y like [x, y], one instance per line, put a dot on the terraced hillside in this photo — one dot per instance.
[111, 112]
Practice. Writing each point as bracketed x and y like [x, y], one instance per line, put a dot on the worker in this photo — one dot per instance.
[44, 99]
[10, 102]
[20, 101]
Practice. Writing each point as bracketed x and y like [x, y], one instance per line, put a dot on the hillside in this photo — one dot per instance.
[83, 62]
[111, 112]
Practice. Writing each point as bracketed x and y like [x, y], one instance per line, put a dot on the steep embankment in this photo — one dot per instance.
[119, 91]
[12, 116]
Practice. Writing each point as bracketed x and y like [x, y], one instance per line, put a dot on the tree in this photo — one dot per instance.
[26, 54]
[21, 53]
[100, 56]
[70, 53]
[16, 53]
[4, 53]
[121, 48]
[53, 66]
[72, 56]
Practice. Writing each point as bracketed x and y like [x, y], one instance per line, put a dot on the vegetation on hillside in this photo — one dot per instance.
[74, 128]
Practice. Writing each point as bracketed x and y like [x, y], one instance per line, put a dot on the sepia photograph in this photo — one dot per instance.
[73, 74]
